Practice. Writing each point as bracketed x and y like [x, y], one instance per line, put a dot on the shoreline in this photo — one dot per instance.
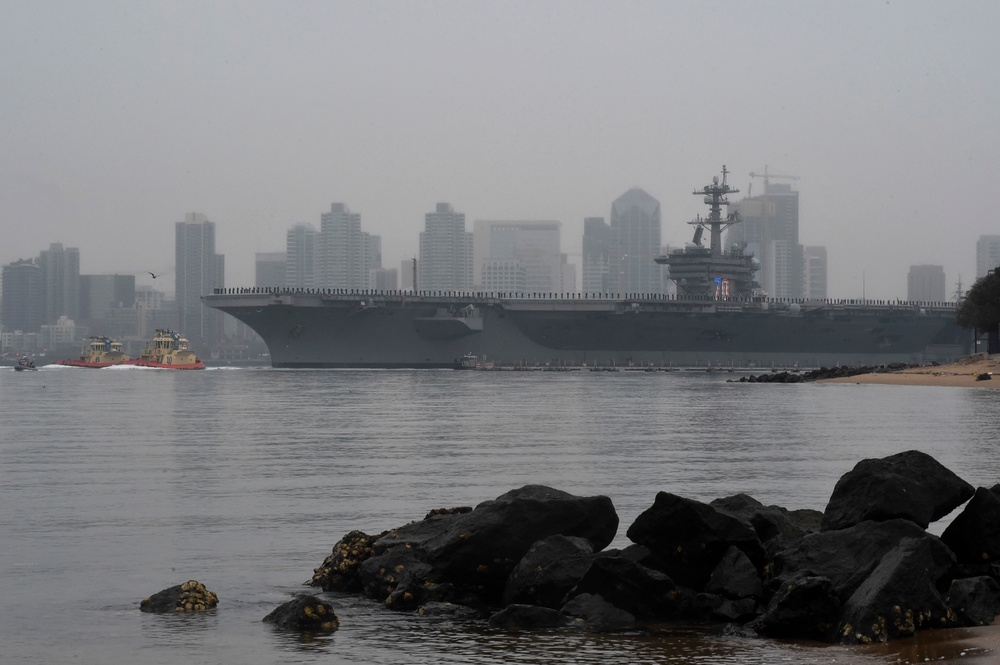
[961, 374]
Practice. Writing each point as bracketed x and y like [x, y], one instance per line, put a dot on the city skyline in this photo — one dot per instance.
[885, 113]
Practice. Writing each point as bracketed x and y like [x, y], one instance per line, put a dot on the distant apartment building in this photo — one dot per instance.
[407, 273]
[445, 251]
[300, 256]
[987, 255]
[520, 256]
[198, 270]
[814, 272]
[23, 294]
[634, 243]
[384, 279]
[596, 250]
[269, 269]
[61, 275]
[925, 283]
[346, 254]
[153, 311]
[770, 231]
[107, 305]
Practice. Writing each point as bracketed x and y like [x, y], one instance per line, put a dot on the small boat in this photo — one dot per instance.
[468, 361]
[99, 352]
[167, 350]
[25, 364]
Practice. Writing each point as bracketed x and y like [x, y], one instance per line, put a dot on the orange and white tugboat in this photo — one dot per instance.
[99, 352]
[168, 350]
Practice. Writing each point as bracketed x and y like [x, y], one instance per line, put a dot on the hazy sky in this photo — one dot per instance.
[118, 117]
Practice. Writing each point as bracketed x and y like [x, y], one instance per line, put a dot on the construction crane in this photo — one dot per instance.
[767, 177]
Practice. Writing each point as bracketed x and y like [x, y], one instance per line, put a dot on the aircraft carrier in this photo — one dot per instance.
[717, 318]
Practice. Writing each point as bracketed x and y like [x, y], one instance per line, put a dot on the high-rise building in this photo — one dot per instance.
[987, 255]
[269, 269]
[407, 273]
[445, 251]
[61, 275]
[300, 256]
[198, 270]
[345, 252]
[925, 283]
[502, 249]
[814, 272]
[770, 231]
[107, 304]
[384, 279]
[596, 250]
[23, 293]
[634, 243]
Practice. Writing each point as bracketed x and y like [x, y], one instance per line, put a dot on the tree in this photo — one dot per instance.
[980, 309]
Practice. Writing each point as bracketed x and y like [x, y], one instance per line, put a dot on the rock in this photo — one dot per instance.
[805, 607]
[974, 534]
[340, 570]
[775, 526]
[468, 557]
[448, 611]
[974, 600]
[305, 613]
[911, 485]
[598, 614]
[713, 607]
[899, 597]
[192, 596]
[690, 537]
[844, 557]
[735, 577]
[527, 617]
[630, 586]
[985, 376]
[548, 571]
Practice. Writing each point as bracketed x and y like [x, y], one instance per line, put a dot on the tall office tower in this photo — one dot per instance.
[61, 273]
[384, 279]
[500, 249]
[269, 269]
[987, 255]
[445, 251]
[634, 243]
[300, 256]
[596, 250]
[23, 292]
[925, 283]
[344, 251]
[770, 230]
[814, 272]
[407, 274]
[198, 270]
[107, 304]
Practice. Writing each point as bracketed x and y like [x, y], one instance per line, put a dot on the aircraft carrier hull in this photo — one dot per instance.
[390, 330]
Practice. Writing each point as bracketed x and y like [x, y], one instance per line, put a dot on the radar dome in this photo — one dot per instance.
[755, 262]
[795, 308]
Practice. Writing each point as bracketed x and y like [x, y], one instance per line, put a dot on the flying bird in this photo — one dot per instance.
[152, 275]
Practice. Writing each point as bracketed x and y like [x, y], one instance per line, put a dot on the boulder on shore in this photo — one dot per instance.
[912, 485]
[192, 596]
[974, 534]
[305, 613]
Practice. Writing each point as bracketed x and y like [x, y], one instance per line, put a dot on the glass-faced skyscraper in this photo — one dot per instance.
[198, 270]
[633, 244]
[445, 251]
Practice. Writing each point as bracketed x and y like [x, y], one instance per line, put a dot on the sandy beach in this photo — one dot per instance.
[961, 374]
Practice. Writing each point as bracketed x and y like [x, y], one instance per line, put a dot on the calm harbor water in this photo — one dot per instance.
[117, 483]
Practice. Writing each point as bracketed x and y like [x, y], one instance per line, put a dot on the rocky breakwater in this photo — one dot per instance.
[864, 570]
[821, 374]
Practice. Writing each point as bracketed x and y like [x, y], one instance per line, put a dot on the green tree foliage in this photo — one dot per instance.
[980, 309]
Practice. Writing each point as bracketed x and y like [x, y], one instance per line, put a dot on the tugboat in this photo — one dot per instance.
[99, 352]
[168, 350]
[25, 364]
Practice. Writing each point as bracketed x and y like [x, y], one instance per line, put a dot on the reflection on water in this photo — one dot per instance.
[117, 484]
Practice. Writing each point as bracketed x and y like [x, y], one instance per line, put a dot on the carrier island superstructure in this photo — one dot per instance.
[718, 318]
